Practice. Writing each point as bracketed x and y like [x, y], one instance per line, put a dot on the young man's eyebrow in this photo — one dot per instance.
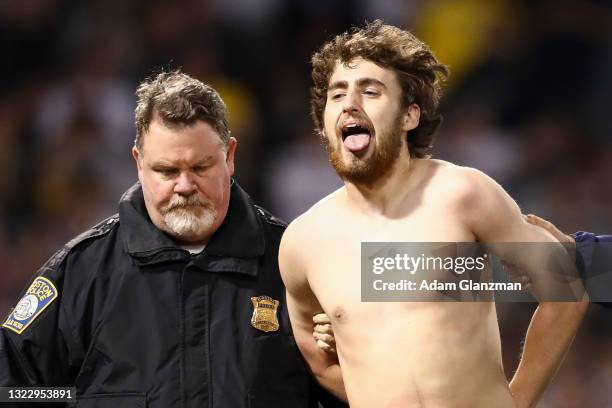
[338, 85]
[360, 82]
[370, 81]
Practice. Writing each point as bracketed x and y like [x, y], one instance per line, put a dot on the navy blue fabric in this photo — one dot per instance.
[588, 253]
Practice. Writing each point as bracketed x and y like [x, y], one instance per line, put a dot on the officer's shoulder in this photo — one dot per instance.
[269, 218]
[98, 231]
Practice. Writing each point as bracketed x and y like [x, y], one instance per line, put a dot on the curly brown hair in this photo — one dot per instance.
[179, 99]
[419, 73]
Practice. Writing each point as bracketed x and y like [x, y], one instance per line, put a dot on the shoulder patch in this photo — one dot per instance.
[41, 293]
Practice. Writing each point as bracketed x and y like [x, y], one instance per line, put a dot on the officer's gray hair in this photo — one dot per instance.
[179, 99]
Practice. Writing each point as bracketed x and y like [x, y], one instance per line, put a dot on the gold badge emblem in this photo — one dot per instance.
[264, 313]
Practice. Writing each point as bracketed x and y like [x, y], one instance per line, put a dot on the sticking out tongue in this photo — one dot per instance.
[357, 142]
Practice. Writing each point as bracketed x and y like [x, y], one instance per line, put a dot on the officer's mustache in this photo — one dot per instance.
[181, 202]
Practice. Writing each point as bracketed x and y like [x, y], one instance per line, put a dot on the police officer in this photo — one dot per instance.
[593, 258]
[177, 300]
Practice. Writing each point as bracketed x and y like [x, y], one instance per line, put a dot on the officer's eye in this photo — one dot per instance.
[199, 169]
[166, 171]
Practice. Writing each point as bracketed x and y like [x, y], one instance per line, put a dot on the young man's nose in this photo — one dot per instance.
[352, 102]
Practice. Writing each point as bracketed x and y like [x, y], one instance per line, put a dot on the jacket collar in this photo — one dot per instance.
[240, 235]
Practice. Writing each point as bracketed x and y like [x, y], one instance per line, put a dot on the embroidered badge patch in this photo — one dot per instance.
[39, 296]
[264, 313]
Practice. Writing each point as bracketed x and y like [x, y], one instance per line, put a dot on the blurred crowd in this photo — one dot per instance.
[528, 103]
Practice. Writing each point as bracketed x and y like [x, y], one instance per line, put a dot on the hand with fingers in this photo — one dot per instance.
[562, 237]
[323, 333]
[568, 242]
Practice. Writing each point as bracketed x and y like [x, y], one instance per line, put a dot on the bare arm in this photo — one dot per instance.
[549, 336]
[494, 217]
[302, 306]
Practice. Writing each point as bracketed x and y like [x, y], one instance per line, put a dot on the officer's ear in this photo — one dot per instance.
[138, 158]
[230, 153]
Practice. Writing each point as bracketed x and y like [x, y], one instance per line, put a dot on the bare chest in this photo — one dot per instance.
[334, 262]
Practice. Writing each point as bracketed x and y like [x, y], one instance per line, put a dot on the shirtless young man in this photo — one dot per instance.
[374, 101]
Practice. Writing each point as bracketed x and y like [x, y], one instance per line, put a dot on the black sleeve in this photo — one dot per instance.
[324, 398]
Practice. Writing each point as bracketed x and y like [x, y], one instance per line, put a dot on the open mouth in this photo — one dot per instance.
[356, 138]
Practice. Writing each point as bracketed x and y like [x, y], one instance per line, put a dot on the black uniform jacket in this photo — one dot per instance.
[140, 322]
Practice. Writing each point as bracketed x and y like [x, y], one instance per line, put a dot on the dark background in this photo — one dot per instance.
[528, 103]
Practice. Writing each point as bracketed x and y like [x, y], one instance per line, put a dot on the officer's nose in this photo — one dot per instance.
[185, 184]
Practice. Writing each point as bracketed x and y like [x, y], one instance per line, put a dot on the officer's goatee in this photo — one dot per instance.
[189, 217]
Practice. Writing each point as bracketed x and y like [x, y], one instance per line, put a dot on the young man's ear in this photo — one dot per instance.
[410, 119]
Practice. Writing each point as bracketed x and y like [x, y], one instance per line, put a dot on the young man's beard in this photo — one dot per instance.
[377, 166]
[189, 218]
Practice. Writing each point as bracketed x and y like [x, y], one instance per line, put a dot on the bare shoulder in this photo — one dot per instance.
[316, 216]
[480, 203]
[458, 184]
[300, 235]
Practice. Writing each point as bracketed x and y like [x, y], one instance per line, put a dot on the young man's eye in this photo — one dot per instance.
[337, 96]
[371, 92]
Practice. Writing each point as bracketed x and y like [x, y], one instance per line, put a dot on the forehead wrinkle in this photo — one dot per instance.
[164, 161]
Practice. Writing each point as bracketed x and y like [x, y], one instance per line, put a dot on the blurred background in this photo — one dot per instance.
[528, 103]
